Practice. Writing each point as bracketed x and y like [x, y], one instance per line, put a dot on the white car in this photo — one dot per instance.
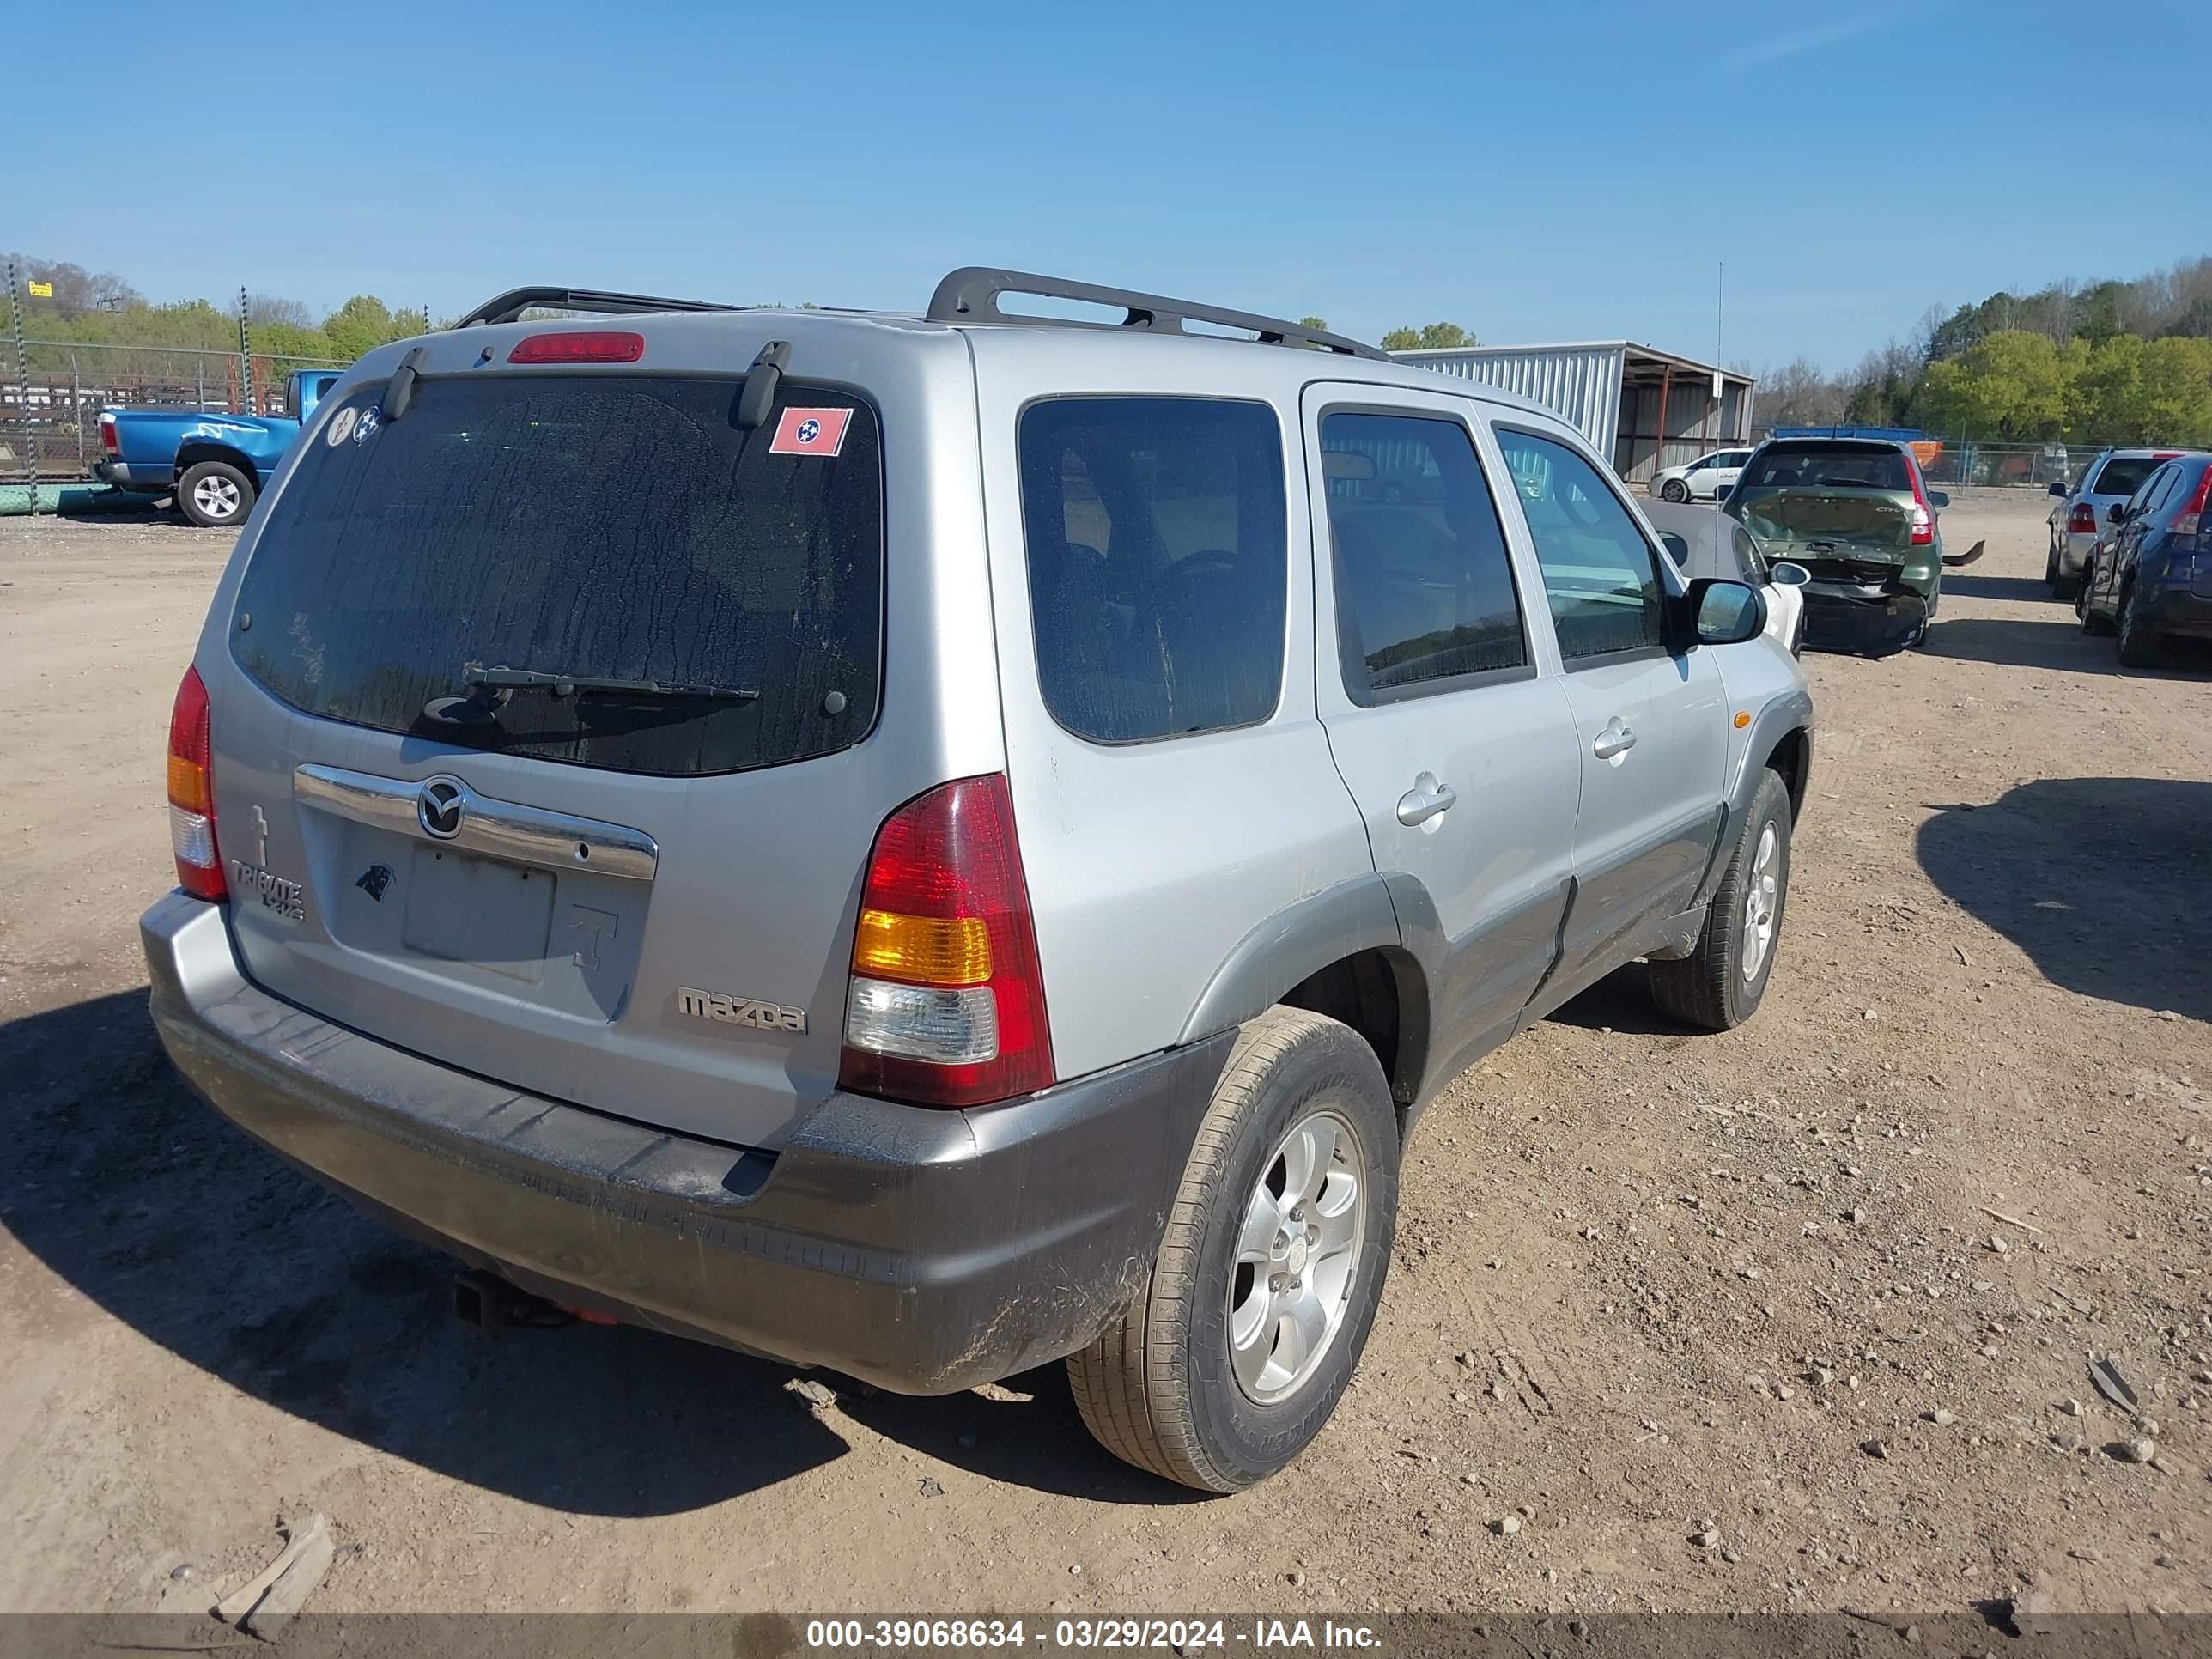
[1705, 479]
[1702, 541]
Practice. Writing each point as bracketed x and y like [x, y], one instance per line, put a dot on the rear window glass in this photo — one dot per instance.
[1425, 592]
[1158, 562]
[587, 525]
[1783, 467]
[2124, 475]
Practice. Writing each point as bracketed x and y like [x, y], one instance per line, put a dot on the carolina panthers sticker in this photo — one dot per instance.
[810, 432]
[365, 428]
[341, 426]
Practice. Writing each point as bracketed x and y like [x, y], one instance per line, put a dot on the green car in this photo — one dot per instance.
[1857, 514]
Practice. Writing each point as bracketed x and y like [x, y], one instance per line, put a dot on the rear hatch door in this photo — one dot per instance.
[621, 883]
[1806, 522]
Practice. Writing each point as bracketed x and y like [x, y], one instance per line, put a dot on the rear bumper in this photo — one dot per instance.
[923, 1251]
[2074, 547]
[1838, 618]
[2180, 611]
[122, 475]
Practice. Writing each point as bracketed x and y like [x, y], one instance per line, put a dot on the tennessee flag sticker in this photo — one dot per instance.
[810, 432]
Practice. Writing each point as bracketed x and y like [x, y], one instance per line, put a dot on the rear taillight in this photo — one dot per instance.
[1923, 516]
[579, 346]
[107, 439]
[2082, 520]
[2189, 522]
[946, 1004]
[191, 793]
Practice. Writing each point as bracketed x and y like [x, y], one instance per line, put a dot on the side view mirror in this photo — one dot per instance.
[2059, 490]
[1938, 499]
[2118, 514]
[1788, 574]
[1723, 612]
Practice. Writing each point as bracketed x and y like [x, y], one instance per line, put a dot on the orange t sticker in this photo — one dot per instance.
[810, 432]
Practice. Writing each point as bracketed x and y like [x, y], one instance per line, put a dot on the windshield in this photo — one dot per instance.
[1783, 466]
[620, 529]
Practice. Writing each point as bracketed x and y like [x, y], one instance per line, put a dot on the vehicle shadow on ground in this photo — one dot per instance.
[2102, 881]
[2023, 588]
[1620, 1003]
[2056, 643]
[145, 1202]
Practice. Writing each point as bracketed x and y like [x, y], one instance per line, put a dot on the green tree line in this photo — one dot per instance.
[98, 308]
[2102, 362]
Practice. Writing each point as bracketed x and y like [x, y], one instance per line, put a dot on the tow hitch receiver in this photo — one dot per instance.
[492, 1305]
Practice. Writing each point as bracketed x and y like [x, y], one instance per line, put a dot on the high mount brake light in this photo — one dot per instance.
[946, 1001]
[191, 793]
[579, 346]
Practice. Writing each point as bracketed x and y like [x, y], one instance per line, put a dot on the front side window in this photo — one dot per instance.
[1425, 594]
[2146, 498]
[1599, 575]
[1158, 562]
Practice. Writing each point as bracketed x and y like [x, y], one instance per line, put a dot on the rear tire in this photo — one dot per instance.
[1673, 490]
[2062, 587]
[1165, 1388]
[215, 495]
[1719, 985]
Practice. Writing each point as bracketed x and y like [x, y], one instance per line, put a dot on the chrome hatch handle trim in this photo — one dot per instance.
[493, 829]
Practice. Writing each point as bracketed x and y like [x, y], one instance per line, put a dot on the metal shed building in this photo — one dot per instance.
[1647, 410]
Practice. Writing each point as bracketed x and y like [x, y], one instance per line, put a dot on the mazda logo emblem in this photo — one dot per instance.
[440, 806]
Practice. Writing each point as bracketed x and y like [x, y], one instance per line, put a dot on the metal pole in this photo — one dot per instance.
[199, 380]
[245, 354]
[23, 379]
[76, 410]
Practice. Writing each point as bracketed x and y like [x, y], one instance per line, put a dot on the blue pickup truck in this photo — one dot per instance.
[213, 463]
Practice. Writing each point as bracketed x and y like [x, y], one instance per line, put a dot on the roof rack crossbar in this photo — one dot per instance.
[970, 294]
[508, 307]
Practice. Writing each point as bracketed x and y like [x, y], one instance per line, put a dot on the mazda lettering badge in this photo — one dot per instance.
[439, 808]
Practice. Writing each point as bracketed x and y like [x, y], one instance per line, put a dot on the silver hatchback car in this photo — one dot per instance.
[929, 845]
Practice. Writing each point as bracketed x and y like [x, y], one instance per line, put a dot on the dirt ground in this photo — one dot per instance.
[1647, 1283]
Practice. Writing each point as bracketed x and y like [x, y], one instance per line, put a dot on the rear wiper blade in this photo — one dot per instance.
[570, 685]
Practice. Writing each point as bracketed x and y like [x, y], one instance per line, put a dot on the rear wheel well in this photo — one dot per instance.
[1788, 759]
[1378, 994]
[193, 454]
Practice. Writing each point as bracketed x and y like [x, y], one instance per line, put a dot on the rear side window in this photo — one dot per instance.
[1600, 574]
[595, 526]
[1158, 562]
[2123, 475]
[1425, 594]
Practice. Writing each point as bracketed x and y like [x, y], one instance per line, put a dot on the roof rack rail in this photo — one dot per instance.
[970, 294]
[509, 307]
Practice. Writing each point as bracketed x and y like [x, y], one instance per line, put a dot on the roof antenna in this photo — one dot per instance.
[761, 382]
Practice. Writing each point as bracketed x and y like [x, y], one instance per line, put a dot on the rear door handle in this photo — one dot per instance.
[1615, 740]
[1424, 800]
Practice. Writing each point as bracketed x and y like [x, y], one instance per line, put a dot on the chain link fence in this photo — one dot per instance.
[49, 407]
[53, 390]
[1955, 462]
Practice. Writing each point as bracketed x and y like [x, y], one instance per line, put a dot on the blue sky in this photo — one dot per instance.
[1548, 172]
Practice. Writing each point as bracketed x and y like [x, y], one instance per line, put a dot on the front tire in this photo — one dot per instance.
[2138, 644]
[215, 495]
[1673, 490]
[1265, 1287]
[1719, 985]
